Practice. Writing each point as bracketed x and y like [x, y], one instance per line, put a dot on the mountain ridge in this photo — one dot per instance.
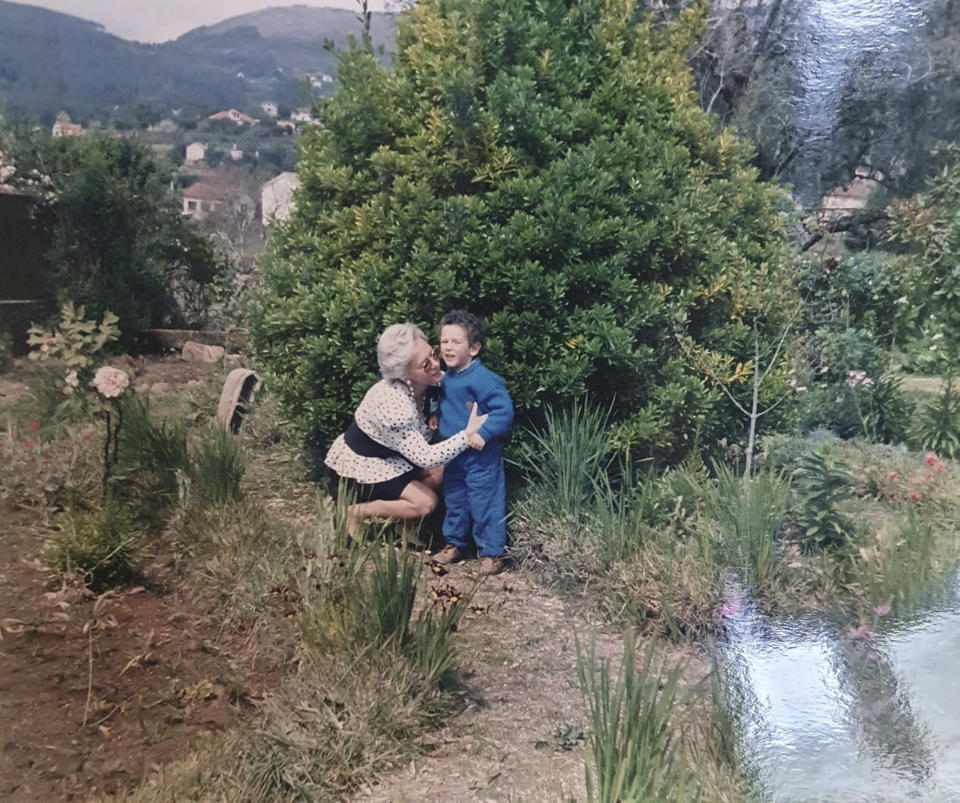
[51, 61]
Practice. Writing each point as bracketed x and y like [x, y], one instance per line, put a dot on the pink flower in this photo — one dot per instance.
[914, 497]
[729, 609]
[86, 437]
[894, 476]
[111, 382]
[34, 426]
[931, 459]
[883, 609]
[25, 444]
[859, 633]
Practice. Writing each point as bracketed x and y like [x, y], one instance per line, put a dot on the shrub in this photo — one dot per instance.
[869, 292]
[547, 166]
[45, 467]
[822, 482]
[65, 359]
[116, 236]
[937, 424]
[103, 546]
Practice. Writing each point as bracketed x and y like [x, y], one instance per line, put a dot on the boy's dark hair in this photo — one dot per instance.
[471, 324]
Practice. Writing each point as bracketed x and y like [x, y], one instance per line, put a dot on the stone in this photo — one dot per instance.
[160, 388]
[233, 361]
[194, 352]
[142, 387]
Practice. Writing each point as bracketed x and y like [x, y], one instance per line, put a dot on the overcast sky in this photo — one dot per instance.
[160, 20]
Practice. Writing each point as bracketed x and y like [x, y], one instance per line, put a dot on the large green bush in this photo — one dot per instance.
[544, 164]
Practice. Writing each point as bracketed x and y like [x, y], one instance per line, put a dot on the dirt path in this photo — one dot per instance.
[519, 735]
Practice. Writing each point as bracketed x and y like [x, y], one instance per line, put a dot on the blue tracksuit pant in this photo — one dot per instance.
[474, 492]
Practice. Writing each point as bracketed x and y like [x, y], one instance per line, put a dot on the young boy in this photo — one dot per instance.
[474, 491]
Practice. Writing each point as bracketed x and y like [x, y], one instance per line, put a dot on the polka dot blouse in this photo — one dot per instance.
[388, 414]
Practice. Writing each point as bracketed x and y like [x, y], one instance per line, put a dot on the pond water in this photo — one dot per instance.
[836, 715]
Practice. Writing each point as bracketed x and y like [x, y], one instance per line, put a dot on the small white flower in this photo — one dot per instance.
[902, 300]
[72, 381]
[937, 336]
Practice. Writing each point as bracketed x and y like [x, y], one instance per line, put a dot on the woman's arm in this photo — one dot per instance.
[409, 441]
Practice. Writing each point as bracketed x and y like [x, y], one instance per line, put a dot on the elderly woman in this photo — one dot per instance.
[385, 455]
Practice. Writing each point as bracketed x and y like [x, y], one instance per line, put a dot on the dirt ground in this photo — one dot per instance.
[147, 674]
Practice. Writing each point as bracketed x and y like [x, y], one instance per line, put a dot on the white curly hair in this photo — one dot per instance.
[395, 348]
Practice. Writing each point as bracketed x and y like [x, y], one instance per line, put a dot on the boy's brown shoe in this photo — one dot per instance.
[449, 554]
[490, 565]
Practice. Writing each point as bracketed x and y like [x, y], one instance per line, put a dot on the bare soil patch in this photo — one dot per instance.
[161, 679]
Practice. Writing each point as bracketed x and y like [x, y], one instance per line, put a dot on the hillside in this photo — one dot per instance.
[51, 61]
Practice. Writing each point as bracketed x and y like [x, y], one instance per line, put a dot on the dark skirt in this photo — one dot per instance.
[388, 490]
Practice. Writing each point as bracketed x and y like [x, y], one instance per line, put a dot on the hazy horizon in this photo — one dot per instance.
[162, 20]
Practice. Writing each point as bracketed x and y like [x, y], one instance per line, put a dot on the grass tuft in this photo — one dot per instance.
[634, 750]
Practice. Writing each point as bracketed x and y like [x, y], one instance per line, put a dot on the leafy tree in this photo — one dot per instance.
[546, 165]
[929, 222]
[115, 231]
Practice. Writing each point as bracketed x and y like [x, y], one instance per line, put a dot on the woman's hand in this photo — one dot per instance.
[476, 421]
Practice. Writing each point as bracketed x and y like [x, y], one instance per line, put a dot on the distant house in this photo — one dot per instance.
[301, 115]
[200, 199]
[196, 152]
[164, 126]
[63, 127]
[289, 124]
[234, 116]
[276, 197]
[269, 108]
[235, 153]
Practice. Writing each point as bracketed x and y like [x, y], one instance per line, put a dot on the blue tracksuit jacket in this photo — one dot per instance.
[474, 489]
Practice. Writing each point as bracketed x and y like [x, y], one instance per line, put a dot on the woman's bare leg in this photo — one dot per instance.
[433, 477]
[416, 501]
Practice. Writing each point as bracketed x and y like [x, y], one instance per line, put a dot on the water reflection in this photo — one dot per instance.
[845, 54]
[836, 719]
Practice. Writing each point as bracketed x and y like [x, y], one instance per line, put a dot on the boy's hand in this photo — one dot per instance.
[476, 441]
[432, 423]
